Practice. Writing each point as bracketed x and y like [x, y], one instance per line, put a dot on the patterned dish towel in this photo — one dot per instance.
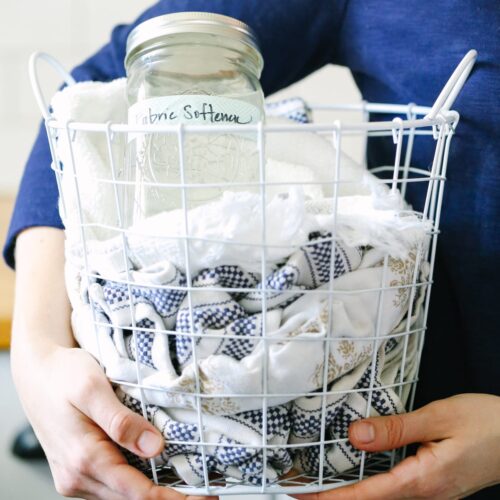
[234, 442]
[230, 356]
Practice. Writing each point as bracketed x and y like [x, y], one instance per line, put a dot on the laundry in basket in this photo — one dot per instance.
[253, 329]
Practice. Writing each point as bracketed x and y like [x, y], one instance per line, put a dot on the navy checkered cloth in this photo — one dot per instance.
[227, 300]
[233, 312]
[228, 454]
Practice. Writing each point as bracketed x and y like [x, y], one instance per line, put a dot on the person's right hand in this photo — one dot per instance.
[78, 418]
[66, 396]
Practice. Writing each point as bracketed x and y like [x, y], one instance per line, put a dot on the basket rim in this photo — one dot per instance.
[449, 118]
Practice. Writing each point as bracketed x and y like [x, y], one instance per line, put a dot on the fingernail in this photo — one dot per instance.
[149, 443]
[364, 432]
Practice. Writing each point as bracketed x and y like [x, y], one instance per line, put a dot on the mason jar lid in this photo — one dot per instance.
[153, 31]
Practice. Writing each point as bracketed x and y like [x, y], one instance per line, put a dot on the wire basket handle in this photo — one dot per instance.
[454, 85]
[35, 81]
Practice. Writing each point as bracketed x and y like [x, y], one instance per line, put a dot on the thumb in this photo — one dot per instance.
[387, 433]
[123, 426]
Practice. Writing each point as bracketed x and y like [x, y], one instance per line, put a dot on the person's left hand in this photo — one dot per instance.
[459, 452]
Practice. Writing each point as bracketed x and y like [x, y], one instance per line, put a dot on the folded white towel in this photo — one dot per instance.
[367, 213]
[288, 158]
[317, 153]
[94, 102]
[229, 231]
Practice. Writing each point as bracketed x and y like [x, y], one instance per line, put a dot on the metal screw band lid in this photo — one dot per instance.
[155, 29]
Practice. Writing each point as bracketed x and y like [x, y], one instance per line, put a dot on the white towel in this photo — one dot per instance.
[99, 102]
[94, 102]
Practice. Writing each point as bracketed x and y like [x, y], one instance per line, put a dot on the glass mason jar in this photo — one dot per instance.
[193, 68]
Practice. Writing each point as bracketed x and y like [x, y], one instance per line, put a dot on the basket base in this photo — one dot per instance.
[292, 484]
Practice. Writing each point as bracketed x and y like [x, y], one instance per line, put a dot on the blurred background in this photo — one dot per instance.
[70, 30]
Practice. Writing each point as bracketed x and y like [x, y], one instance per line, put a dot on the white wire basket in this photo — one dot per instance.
[257, 432]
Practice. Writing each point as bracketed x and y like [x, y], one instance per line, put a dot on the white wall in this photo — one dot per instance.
[71, 30]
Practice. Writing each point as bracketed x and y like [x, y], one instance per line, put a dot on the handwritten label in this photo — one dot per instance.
[193, 109]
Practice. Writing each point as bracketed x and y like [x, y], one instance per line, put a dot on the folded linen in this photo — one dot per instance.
[341, 409]
[234, 442]
[86, 155]
[226, 327]
[227, 321]
[229, 231]
[234, 446]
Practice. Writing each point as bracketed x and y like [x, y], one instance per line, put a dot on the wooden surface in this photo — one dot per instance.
[6, 278]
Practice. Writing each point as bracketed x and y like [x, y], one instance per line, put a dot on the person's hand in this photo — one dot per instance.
[78, 418]
[459, 454]
[65, 394]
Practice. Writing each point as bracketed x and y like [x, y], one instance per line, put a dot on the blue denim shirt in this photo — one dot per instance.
[398, 52]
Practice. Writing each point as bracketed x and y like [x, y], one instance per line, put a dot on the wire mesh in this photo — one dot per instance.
[276, 458]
